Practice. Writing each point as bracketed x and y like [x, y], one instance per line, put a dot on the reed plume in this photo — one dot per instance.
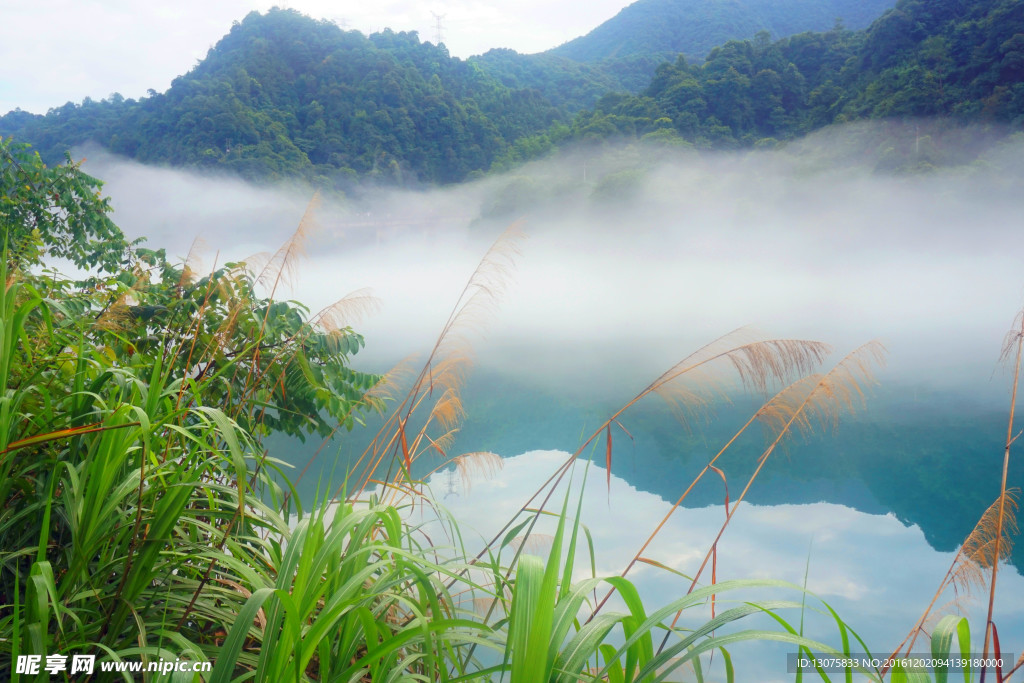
[815, 400]
[351, 308]
[990, 540]
[479, 464]
[193, 263]
[810, 402]
[688, 384]
[442, 376]
[283, 265]
[1013, 344]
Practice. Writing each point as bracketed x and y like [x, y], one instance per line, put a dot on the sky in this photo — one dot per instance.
[56, 51]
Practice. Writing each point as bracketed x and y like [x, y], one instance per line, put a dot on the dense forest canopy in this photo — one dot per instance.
[622, 53]
[958, 59]
[285, 96]
[695, 27]
[566, 83]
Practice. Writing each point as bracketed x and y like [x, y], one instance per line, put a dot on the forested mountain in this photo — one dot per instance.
[694, 27]
[621, 54]
[962, 59]
[284, 95]
[567, 83]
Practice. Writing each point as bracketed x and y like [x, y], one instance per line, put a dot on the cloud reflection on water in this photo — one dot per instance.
[877, 573]
[611, 292]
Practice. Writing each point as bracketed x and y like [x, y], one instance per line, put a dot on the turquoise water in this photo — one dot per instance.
[877, 572]
[604, 297]
[871, 513]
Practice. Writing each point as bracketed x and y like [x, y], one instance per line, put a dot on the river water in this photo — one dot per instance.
[623, 272]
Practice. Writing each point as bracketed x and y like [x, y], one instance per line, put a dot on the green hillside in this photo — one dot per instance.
[622, 53]
[567, 83]
[283, 95]
[694, 27]
[962, 61]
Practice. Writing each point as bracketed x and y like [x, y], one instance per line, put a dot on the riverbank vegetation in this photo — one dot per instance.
[144, 519]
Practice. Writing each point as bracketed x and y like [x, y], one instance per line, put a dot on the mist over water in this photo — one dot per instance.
[876, 572]
[634, 259]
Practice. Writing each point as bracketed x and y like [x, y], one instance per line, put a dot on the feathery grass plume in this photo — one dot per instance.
[814, 400]
[440, 444]
[283, 265]
[991, 536]
[484, 606]
[690, 386]
[451, 356]
[1013, 338]
[770, 408]
[482, 292]
[376, 398]
[758, 363]
[389, 387]
[193, 262]
[1013, 345]
[959, 604]
[487, 596]
[227, 286]
[818, 401]
[468, 466]
[534, 544]
[115, 317]
[349, 309]
[971, 566]
[479, 464]
[448, 410]
[257, 263]
[443, 373]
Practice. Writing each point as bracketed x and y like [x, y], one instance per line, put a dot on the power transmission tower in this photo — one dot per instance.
[438, 32]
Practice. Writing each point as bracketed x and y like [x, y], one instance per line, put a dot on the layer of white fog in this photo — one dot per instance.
[632, 259]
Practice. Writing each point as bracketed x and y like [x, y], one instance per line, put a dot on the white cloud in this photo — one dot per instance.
[877, 573]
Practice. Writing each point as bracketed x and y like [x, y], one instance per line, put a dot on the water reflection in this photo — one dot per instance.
[878, 573]
[609, 296]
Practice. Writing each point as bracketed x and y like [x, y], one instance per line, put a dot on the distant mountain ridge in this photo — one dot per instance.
[961, 61]
[567, 83]
[694, 27]
[622, 53]
[283, 95]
